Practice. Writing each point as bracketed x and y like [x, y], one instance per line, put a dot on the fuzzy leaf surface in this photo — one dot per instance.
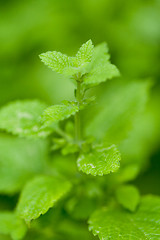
[23, 118]
[84, 55]
[39, 195]
[128, 196]
[102, 160]
[12, 225]
[101, 68]
[57, 61]
[58, 113]
[69, 66]
[115, 223]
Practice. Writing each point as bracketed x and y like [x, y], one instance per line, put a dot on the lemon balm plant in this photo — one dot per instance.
[71, 180]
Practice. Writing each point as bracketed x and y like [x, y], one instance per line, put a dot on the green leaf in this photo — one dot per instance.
[58, 113]
[69, 66]
[101, 68]
[101, 51]
[81, 207]
[57, 61]
[121, 103]
[84, 55]
[114, 223]
[20, 159]
[12, 225]
[70, 148]
[128, 196]
[126, 173]
[102, 160]
[23, 118]
[39, 195]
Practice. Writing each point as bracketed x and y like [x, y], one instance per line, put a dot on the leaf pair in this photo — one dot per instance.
[63, 64]
[90, 62]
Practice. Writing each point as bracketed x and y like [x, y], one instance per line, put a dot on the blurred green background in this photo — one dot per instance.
[132, 31]
[28, 28]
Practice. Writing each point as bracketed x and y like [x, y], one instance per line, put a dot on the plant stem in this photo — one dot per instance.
[77, 116]
[62, 133]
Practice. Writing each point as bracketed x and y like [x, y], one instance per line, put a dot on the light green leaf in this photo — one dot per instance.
[100, 52]
[12, 225]
[128, 196]
[57, 113]
[84, 55]
[20, 159]
[126, 173]
[101, 68]
[70, 148]
[81, 207]
[121, 103]
[102, 160]
[39, 195]
[57, 61]
[114, 223]
[69, 66]
[23, 118]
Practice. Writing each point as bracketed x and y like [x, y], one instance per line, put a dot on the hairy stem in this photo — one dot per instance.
[77, 116]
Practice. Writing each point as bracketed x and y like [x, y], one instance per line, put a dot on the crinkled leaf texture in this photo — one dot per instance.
[115, 223]
[84, 55]
[20, 159]
[63, 64]
[39, 195]
[101, 68]
[128, 196]
[57, 113]
[23, 118]
[12, 225]
[102, 160]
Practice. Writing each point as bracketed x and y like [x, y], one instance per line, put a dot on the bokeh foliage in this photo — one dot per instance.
[131, 29]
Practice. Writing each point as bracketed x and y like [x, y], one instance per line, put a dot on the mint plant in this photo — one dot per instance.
[64, 177]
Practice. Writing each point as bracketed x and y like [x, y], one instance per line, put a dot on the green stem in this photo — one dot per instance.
[77, 116]
[62, 133]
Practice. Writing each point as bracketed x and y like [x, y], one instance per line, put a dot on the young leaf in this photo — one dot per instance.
[102, 160]
[23, 118]
[114, 223]
[20, 159]
[128, 196]
[84, 55]
[57, 61]
[101, 51]
[101, 68]
[57, 113]
[12, 225]
[70, 66]
[39, 195]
